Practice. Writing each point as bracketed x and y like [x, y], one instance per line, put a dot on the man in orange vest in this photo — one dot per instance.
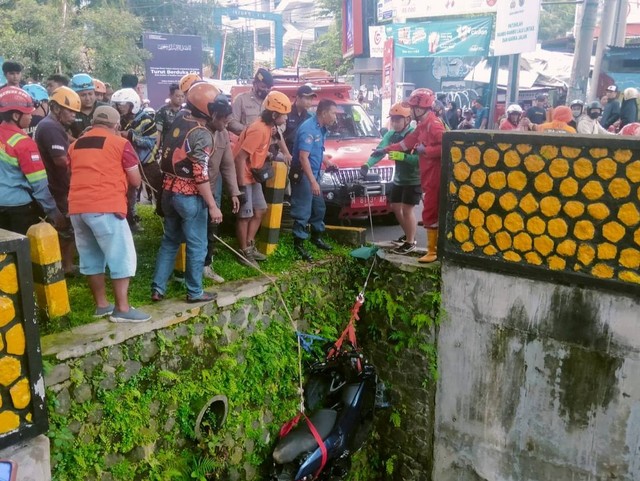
[103, 166]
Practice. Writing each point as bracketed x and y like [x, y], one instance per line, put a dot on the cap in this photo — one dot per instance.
[541, 97]
[305, 91]
[612, 88]
[263, 75]
[105, 114]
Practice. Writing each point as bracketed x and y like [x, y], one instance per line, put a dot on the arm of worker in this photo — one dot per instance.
[433, 149]
[130, 163]
[305, 165]
[378, 153]
[32, 167]
[145, 135]
[228, 172]
[201, 143]
[409, 142]
[282, 145]
[236, 124]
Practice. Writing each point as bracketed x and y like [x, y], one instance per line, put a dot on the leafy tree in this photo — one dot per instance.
[238, 57]
[555, 21]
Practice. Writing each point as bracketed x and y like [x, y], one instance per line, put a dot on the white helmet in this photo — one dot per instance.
[630, 93]
[127, 95]
[514, 109]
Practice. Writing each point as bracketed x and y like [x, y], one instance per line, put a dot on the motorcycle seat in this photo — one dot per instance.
[300, 440]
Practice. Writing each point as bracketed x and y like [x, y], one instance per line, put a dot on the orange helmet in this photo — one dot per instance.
[188, 80]
[562, 113]
[277, 102]
[99, 86]
[400, 109]
[201, 100]
[67, 98]
[422, 98]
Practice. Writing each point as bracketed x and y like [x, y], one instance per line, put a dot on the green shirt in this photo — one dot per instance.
[407, 171]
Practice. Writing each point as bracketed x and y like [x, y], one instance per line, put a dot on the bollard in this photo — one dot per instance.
[274, 195]
[180, 265]
[48, 275]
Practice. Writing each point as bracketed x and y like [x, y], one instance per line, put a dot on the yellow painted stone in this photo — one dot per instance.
[472, 155]
[56, 297]
[583, 168]
[584, 230]
[533, 258]
[559, 168]
[503, 240]
[494, 223]
[461, 171]
[619, 188]
[523, 148]
[550, 206]
[508, 201]
[630, 258]
[549, 151]
[522, 242]
[490, 251]
[633, 171]
[486, 200]
[497, 180]
[466, 194]
[9, 370]
[15, 340]
[20, 394]
[452, 188]
[556, 263]
[45, 246]
[1, 349]
[558, 228]
[570, 152]
[586, 254]
[517, 180]
[569, 187]
[543, 183]
[9, 279]
[7, 311]
[566, 248]
[512, 256]
[481, 237]
[534, 163]
[9, 421]
[467, 246]
[513, 222]
[602, 271]
[607, 251]
[636, 237]
[461, 213]
[456, 154]
[28, 417]
[504, 147]
[622, 155]
[573, 208]
[593, 190]
[597, 153]
[628, 214]
[529, 204]
[630, 276]
[476, 217]
[461, 232]
[512, 158]
[3, 257]
[536, 225]
[612, 231]
[606, 168]
[491, 156]
[479, 178]
[598, 211]
[543, 244]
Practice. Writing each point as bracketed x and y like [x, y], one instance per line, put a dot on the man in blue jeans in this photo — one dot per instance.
[307, 203]
[186, 196]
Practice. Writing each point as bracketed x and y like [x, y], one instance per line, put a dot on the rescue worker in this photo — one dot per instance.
[12, 71]
[40, 99]
[577, 110]
[426, 139]
[187, 194]
[513, 120]
[299, 113]
[187, 81]
[307, 203]
[629, 107]
[405, 191]
[560, 118]
[589, 123]
[100, 89]
[82, 84]
[24, 190]
[611, 113]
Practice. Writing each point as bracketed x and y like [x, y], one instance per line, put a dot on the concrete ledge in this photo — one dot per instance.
[350, 236]
[32, 457]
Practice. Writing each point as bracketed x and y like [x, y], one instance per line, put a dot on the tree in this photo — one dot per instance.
[238, 57]
[555, 21]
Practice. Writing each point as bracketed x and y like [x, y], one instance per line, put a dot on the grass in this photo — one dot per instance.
[147, 243]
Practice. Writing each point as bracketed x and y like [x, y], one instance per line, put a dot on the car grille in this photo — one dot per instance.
[349, 176]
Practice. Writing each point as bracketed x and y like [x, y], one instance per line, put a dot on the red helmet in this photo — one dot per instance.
[14, 98]
[632, 130]
[422, 98]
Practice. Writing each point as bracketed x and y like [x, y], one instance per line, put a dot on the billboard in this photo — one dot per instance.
[377, 37]
[172, 57]
[423, 8]
[517, 27]
[352, 28]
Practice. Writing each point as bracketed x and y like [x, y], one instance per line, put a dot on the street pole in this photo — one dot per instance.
[606, 26]
[620, 27]
[582, 55]
[493, 90]
[514, 79]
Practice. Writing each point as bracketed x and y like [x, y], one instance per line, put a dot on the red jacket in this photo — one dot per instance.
[428, 133]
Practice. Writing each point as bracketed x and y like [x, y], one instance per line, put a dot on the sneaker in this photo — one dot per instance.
[133, 315]
[209, 273]
[405, 248]
[247, 257]
[400, 240]
[205, 297]
[103, 311]
[257, 255]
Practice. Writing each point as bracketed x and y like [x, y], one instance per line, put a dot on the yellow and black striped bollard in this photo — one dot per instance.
[274, 195]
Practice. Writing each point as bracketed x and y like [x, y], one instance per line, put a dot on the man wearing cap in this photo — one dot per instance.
[248, 106]
[13, 73]
[611, 112]
[103, 165]
[299, 113]
[537, 114]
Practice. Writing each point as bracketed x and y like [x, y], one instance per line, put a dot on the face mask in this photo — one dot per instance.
[594, 114]
[576, 112]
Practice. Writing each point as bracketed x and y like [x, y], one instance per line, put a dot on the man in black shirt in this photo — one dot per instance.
[611, 112]
[299, 113]
[537, 114]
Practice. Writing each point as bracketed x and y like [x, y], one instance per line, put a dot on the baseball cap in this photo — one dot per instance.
[541, 97]
[263, 75]
[612, 88]
[105, 114]
[305, 91]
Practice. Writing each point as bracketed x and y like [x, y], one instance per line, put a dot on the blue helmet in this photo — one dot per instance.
[38, 92]
[81, 81]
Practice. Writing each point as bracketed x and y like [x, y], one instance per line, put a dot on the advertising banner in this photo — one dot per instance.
[467, 37]
[172, 57]
[352, 28]
[517, 27]
[423, 8]
[386, 93]
[384, 10]
[377, 37]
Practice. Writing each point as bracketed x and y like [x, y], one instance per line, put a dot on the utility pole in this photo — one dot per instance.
[606, 27]
[620, 27]
[582, 55]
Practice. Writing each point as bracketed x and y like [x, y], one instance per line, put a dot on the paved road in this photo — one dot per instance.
[383, 232]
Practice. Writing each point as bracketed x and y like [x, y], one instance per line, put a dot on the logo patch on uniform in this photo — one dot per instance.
[308, 139]
[57, 147]
[35, 158]
[175, 133]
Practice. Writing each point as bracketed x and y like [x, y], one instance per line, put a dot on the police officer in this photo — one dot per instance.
[247, 107]
[299, 113]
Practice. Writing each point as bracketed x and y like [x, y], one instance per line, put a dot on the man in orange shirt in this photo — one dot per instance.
[250, 154]
[560, 119]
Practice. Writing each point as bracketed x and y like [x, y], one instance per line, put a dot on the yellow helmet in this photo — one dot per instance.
[67, 98]
[277, 102]
[188, 80]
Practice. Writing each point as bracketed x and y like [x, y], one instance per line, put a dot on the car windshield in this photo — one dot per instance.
[352, 122]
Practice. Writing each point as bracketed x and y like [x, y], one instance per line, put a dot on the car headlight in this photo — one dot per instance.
[328, 180]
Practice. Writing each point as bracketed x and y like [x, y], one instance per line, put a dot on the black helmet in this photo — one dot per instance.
[595, 105]
[221, 106]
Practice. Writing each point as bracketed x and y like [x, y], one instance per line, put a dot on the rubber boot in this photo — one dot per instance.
[316, 240]
[432, 247]
[298, 246]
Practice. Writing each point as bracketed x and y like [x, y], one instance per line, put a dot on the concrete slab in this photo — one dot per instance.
[32, 457]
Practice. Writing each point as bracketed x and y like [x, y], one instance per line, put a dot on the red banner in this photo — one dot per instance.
[387, 69]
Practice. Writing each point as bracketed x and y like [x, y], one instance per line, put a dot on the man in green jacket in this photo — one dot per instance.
[406, 191]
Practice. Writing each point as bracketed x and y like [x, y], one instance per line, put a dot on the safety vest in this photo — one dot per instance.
[175, 153]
